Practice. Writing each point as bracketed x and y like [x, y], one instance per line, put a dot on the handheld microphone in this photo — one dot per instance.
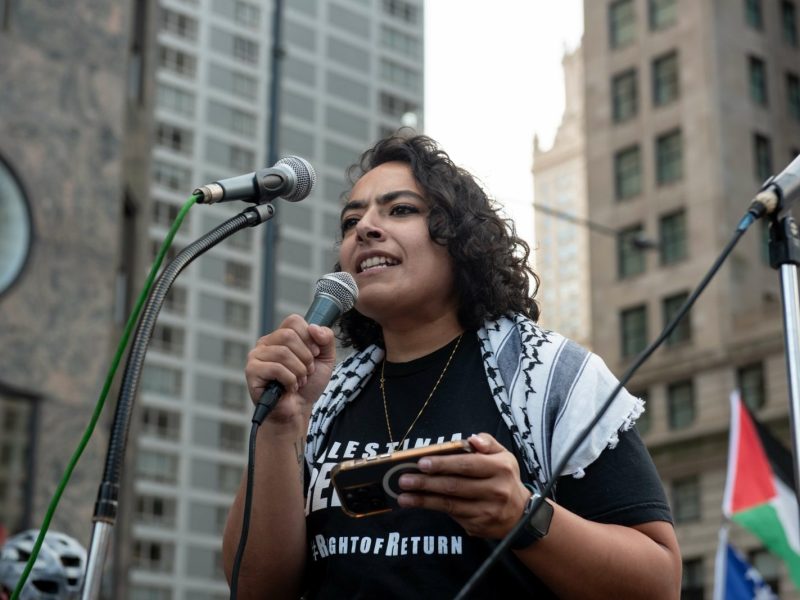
[291, 178]
[336, 293]
[780, 191]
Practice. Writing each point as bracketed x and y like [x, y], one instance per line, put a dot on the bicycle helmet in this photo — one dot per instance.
[58, 571]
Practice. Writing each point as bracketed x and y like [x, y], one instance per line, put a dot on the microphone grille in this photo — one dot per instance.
[341, 286]
[304, 175]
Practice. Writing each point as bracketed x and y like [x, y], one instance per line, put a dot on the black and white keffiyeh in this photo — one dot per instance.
[546, 387]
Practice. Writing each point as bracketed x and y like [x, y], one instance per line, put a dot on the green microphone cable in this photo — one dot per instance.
[134, 316]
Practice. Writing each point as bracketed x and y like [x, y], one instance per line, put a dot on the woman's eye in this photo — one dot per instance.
[403, 209]
[348, 223]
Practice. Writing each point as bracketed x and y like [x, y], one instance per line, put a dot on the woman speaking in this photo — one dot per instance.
[446, 347]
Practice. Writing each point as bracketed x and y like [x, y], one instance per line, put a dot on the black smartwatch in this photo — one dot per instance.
[536, 525]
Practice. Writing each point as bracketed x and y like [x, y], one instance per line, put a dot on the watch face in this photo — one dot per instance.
[15, 228]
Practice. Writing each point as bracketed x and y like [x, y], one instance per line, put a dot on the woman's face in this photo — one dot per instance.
[400, 271]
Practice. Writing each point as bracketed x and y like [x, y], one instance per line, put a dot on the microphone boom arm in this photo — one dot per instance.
[105, 510]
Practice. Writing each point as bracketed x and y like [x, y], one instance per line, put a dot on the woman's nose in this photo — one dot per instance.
[366, 228]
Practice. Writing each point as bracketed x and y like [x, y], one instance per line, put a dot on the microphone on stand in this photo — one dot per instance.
[291, 178]
[336, 293]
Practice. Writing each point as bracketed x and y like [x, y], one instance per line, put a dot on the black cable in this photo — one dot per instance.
[756, 211]
[248, 501]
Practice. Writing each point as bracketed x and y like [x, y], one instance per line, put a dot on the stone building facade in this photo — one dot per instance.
[689, 107]
[62, 135]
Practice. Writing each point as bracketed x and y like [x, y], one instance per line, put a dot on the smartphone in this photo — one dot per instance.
[368, 486]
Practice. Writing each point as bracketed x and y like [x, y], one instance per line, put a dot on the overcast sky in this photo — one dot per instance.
[493, 78]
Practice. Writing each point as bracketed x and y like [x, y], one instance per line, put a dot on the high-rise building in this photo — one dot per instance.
[689, 107]
[562, 235]
[351, 72]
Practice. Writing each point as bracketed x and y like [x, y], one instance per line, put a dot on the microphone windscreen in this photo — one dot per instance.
[341, 286]
[305, 177]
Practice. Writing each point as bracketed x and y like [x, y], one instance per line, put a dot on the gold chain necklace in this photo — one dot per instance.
[427, 400]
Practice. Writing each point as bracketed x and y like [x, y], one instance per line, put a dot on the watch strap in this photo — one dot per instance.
[536, 524]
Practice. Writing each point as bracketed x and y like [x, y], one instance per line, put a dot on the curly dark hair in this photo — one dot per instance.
[492, 275]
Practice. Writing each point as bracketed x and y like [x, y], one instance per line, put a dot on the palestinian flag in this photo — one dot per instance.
[759, 492]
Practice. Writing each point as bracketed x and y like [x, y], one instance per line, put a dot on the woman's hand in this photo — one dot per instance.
[299, 356]
[482, 491]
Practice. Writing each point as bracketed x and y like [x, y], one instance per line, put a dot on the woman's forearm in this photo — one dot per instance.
[274, 559]
[584, 559]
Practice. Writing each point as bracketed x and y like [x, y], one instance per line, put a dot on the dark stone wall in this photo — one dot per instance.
[63, 69]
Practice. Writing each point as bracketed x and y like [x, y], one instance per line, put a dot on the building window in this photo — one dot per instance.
[405, 11]
[171, 176]
[234, 395]
[232, 437]
[164, 213]
[621, 23]
[234, 354]
[168, 339]
[628, 173]
[181, 25]
[177, 61]
[229, 477]
[162, 380]
[400, 75]
[157, 466]
[244, 85]
[175, 138]
[175, 302]
[237, 275]
[666, 85]
[768, 566]
[663, 13]
[624, 96]
[395, 106]
[753, 15]
[789, 22]
[247, 14]
[155, 510]
[403, 43]
[630, 257]
[669, 157]
[793, 96]
[237, 314]
[692, 580]
[686, 499]
[230, 118]
[153, 555]
[673, 238]
[762, 157]
[680, 404]
[161, 423]
[671, 305]
[17, 438]
[757, 71]
[750, 381]
[633, 326]
[245, 50]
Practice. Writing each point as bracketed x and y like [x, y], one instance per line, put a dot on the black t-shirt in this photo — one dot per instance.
[416, 553]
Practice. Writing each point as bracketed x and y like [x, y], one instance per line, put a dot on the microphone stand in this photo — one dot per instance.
[784, 255]
[105, 510]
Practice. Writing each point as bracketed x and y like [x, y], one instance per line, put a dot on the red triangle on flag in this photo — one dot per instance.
[752, 474]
